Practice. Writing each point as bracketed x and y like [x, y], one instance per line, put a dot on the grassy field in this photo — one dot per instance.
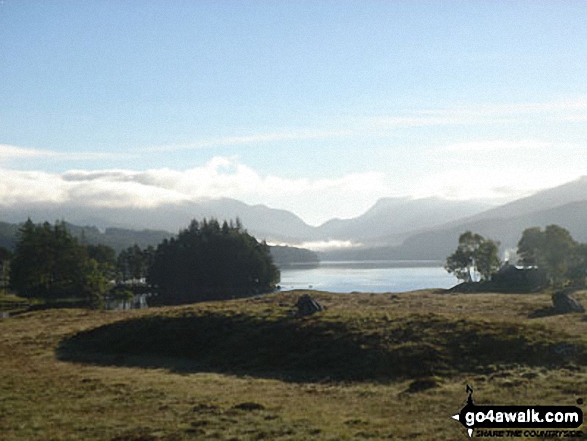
[372, 366]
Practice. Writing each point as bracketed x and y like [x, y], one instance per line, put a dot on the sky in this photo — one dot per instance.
[317, 107]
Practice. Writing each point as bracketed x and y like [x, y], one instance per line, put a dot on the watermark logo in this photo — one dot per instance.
[484, 420]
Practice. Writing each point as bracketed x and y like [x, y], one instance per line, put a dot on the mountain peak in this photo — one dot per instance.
[548, 198]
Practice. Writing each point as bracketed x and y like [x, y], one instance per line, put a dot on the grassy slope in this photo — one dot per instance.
[255, 372]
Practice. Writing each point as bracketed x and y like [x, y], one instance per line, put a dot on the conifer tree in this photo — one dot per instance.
[49, 263]
[208, 261]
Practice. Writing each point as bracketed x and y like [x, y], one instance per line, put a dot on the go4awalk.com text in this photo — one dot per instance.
[487, 433]
[520, 421]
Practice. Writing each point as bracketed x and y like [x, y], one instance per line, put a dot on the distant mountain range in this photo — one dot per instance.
[565, 205]
[388, 220]
[394, 228]
[258, 219]
[391, 220]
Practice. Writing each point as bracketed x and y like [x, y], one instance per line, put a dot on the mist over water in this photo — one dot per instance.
[370, 276]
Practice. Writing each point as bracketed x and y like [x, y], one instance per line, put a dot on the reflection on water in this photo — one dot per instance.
[368, 276]
[138, 301]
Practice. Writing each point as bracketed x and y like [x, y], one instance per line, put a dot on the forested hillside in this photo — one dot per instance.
[117, 238]
[121, 239]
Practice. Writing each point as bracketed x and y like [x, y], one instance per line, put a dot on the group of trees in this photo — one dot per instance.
[552, 251]
[134, 263]
[209, 261]
[49, 263]
[205, 261]
[5, 257]
[475, 258]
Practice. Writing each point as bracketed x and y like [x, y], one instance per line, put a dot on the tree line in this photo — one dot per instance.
[205, 261]
[212, 261]
[552, 254]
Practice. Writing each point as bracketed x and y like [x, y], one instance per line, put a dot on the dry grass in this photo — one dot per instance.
[43, 397]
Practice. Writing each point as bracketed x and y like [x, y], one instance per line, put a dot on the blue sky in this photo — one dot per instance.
[318, 107]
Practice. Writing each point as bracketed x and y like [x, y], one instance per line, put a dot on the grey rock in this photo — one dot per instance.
[307, 305]
[564, 304]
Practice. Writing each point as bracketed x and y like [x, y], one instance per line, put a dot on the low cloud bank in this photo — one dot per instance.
[315, 200]
[323, 245]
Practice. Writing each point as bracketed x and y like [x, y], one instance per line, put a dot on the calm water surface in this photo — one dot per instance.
[371, 276]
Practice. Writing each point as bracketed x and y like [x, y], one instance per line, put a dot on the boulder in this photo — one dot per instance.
[564, 304]
[307, 305]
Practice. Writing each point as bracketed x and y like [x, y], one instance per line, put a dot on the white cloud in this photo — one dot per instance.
[14, 152]
[578, 104]
[495, 184]
[417, 121]
[248, 139]
[497, 145]
[499, 170]
[324, 245]
[557, 110]
[316, 200]
[576, 118]
[320, 200]
[321, 245]
[11, 152]
[18, 187]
